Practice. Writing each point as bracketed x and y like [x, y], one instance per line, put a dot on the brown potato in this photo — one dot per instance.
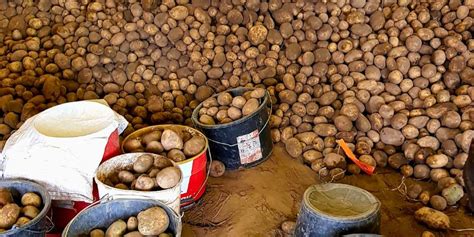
[9, 215]
[217, 169]
[238, 102]
[116, 229]
[124, 186]
[250, 107]
[171, 140]
[176, 155]
[234, 113]
[144, 183]
[5, 196]
[438, 202]
[453, 193]
[30, 211]
[134, 234]
[126, 176]
[194, 146]
[224, 98]
[333, 160]
[143, 163]
[132, 223]
[154, 147]
[31, 199]
[162, 162]
[432, 218]
[132, 145]
[294, 147]
[153, 221]
[22, 221]
[168, 177]
[414, 191]
[150, 137]
[288, 227]
[421, 171]
[437, 161]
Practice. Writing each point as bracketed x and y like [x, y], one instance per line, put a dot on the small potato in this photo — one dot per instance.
[22, 221]
[217, 169]
[176, 155]
[126, 176]
[132, 223]
[432, 218]
[162, 162]
[437, 161]
[368, 159]
[445, 182]
[194, 146]
[427, 234]
[30, 211]
[336, 174]
[153, 221]
[414, 191]
[143, 163]
[333, 160]
[31, 199]
[116, 229]
[424, 197]
[439, 173]
[438, 202]
[293, 147]
[406, 170]
[353, 169]
[397, 160]
[150, 137]
[171, 140]
[224, 98]
[288, 227]
[5, 196]
[258, 93]
[144, 183]
[206, 119]
[132, 145]
[97, 233]
[168, 177]
[250, 107]
[154, 147]
[122, 186]
[133, 234]
[153, 171]
[9, 215]
[421, 171]
[239, 102]
[234, 113]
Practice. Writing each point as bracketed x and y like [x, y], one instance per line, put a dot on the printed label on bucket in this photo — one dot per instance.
[249, 147]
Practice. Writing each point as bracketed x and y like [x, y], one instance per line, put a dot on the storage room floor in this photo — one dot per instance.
[254, 202]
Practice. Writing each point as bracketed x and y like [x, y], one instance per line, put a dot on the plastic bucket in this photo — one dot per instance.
[337, 209]
[67, 114]
[193, 169]
[169, 197]
[244, 143]
[40, 224]
[104, 214]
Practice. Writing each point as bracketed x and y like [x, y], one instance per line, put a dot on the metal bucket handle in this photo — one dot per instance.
[191, 199]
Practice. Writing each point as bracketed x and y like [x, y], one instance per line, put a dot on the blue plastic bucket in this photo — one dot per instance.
[102, 215]
[41, 224]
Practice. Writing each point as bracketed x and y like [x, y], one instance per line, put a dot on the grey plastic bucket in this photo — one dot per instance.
[104, 214]
[337, 209]
[41, 224]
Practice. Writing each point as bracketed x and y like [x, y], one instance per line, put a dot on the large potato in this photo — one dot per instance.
[171, 140]
[9, 215]
[194, 146]
[116, 229]
[143, 163]
[153, 221]
[168, 177]
[293, 147]
[250, 106]
[144, 183]
[432, 218]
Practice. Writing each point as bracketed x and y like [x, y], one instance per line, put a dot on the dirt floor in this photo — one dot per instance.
[254, 202]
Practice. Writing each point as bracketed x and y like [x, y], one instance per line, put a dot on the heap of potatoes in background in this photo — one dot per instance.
[395, 81]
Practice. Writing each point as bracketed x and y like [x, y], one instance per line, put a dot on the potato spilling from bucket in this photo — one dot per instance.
[147, 173]
[226, 108]
[153, 221]
[175, 143]
[16, 210]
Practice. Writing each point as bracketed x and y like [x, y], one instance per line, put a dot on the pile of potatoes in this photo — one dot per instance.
[17, 214]
[147, 173]
[176, 144]
[225, 108]
[153, 221]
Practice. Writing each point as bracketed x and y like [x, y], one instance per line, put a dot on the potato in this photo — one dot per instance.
[97, 233]
[5, 196]
[132, 223]
[132, 145]
[368, 159]
[438, 202]
[143, 163]
[217, 169]
[234, 113]
[116, 229]
[31, 199]
[258, 93]
[9, 215]
[224, 98]
[333, 160]
[392, 136]
[406, 170]
[239, 102]
[445, 182]
[414, 191]
[176, 155]
[162, 162]
[22, 221]
[424, 197]
[133, 234]
[153, 171]
[30, 211]
[421, 171]
[427, 234]
[194, 146]
[153, 221]
[288, 227]
[153, 136]
[336, 174]
[353, 169]
[460, 160]
[171, 140]
[453, 194]
[168, 177]
[144, 183]
[311, 155]
[437, 174]
[250, 107]
[380, 158]
[122, 186]
[432, 218]
[397, 160]
[154, 147]
[126, 176]
[437, 161]
[294, 147]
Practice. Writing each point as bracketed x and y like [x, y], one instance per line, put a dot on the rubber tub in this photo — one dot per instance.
[243, 143]
[41, 224]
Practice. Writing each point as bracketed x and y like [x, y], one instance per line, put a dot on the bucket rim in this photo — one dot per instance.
[371, 211]
[102, 202]
[46, 203]
[194, 116]
[138, 132]
[136, 192]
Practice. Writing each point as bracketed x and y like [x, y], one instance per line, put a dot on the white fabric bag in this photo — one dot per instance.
[62, 147]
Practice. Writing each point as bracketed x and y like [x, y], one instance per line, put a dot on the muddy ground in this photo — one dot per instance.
[256, 201]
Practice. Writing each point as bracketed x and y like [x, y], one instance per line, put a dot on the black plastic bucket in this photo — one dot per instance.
[336, 210]
[246, 142]
[39, 225]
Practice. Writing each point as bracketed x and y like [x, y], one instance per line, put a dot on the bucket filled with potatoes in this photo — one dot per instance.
[24, 206]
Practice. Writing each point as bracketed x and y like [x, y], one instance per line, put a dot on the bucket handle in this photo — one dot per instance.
[191, 199]
[261, 130]
[49, 227]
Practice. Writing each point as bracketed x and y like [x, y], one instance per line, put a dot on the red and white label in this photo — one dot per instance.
[249, 147]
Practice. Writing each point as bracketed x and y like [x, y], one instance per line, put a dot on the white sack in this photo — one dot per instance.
[62, 147]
